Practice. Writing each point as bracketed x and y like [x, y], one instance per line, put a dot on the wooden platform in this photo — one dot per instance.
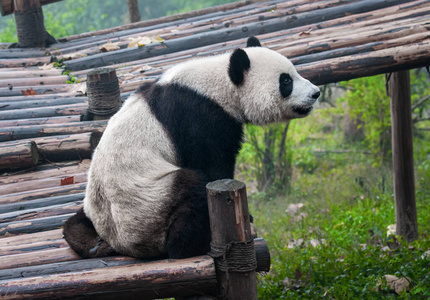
[328, 41]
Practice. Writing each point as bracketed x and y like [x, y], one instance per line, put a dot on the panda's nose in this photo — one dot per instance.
[316, 95]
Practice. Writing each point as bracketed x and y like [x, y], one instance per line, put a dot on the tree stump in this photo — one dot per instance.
[104, 98]
[30, 27]
[232, 244]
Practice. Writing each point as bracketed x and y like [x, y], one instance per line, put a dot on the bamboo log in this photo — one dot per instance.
[24, 62]
[229, 220]
[38, 184]
[40, 203]
[26, 132]
[23, 155]
[72, 265]
[43, 193]
[31, 226]
[7, 6]
[24, 53]
[39, 213]
[44, 112]
[39, 90]
[37, 103]
[32, 238]
[40, 121]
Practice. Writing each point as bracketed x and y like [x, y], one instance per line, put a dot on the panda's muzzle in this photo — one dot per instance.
[308, 105]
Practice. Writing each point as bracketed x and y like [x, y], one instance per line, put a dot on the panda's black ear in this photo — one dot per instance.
[239, 64]
[253, 42]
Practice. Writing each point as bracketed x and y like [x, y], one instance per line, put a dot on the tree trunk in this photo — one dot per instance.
[133, 10]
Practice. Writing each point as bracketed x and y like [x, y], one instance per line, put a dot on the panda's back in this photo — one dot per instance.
[131, 170]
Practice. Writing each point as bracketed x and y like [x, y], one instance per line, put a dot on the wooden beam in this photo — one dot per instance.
[7, 7]
[403, 156]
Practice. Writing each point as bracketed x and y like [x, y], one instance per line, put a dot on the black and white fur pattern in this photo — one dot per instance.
[146, 193]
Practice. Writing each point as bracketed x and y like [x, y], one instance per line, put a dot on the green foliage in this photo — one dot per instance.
[8, 31]
[367, 100]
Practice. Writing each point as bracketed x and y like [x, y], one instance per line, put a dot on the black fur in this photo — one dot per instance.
[205, 137]
[285, 85]
[80, 234]
[253, 42]
[239, 64]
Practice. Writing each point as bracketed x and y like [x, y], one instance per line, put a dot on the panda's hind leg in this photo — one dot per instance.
[189, 231]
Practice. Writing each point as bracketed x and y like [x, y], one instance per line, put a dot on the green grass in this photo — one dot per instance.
[347, 208]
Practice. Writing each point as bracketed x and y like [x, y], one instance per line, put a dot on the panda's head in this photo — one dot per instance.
[254, 84]
[269, 87]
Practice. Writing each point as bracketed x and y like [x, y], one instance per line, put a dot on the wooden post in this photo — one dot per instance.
[30, 27]
[104, 97]
[230, 228]
[7, 6]
[403, 159]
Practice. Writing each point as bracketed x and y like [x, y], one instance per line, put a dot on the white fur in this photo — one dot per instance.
[258, 99]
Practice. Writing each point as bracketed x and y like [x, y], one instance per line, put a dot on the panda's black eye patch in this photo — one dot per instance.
[285, 85]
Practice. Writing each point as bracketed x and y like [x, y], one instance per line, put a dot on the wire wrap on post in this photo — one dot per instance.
[234, 257]
[104, 96]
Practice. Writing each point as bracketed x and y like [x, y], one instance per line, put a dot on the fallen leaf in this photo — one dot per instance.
[391, 229]
[144, 40]
[307, 32]
[396, 284]
[47, 66]
[78, 88]
[292, 209]
[73, 56]
[109, 46]
[28, 92]
[68, 180]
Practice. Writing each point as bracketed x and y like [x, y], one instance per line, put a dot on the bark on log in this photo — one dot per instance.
[19, 82]
[30, 27]
[24, 62]
[7, 6]
[43, 193]
[22, 155]
[39, 90]
[28, 239]
[48, 171]
[41, 202]
[63, 261]
[403, 156]
[229, 218]
[38, 103]
[228, 34]
[146, 280]
[33, 185]
[32, 226]
[44, 112]
[40, 121]
[39, 213]
[28, 132]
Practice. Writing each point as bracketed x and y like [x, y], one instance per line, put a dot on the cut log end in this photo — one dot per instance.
[19, 156]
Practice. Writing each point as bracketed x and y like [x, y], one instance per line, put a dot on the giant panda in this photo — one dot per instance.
[146, 195]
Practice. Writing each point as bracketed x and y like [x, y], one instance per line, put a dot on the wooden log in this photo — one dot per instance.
[30, 27]
[38, 184]
[18, 82]
[73, 265]
[7, 6]
[47, 171]
[27, 132]
[32, 226]
[44, 112]
[104, 98]
[37, 103]
[162, 20]
[227, 34]
[24, 53]
[28, 248]
[160, 279]
[22, 155]
[43, 193]
[38, 90]
[367, 64]
[39, 213]
[40, 121]
[41, 202]
[27, 239]
[403, 156]
[229, 219]
[24, 62]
